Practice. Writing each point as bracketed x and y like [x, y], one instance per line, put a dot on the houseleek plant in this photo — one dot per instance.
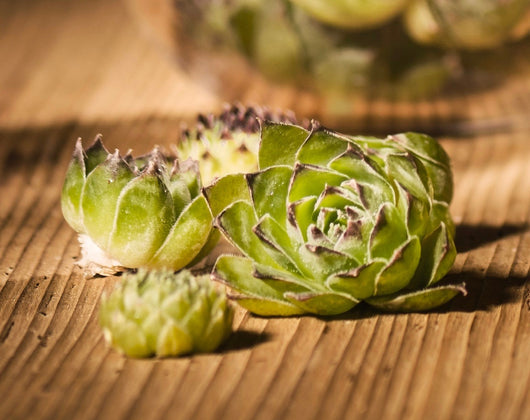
[332, 220]
[135, 212]
[227, 142]
[159, 313]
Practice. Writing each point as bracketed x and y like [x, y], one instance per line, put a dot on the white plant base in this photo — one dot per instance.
[94, 261]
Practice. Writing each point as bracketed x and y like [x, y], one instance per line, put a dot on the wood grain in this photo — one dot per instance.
[78, 68]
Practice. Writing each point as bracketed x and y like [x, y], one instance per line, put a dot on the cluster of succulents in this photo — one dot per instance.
[319, 222]
[398, 48]
[149, 211]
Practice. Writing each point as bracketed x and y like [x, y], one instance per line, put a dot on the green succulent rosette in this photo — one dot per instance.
[130, 213]
[331, 220]
[159, 313]
[227, 142]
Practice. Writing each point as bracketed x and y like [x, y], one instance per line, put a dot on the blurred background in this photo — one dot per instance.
[85, 61]
[120, 59]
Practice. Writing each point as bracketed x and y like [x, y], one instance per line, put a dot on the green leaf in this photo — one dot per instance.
[311, 181]
[337, 197]
[322, 303]
[415, 212]
[388, 233]
[188, 172]
[437, 257]
[258, 297]
[180, 193]
[144, 216]
[99, 200]
[281, 280]
[411, 173]
[218, 330]
[423, 146]
[95, 154]
[440, 213]
[189, 234]
[151, 325]
[224, 191]
[365, 172]
[279, 144]
[300, 215]
[172, 341]
[279, 245]
[126, 335]
[353, 241]
[72, 189]
[238, 273]
[435, 160]
[237, 222]
[417, 301]
[321, 262]
[359, 282]
[400, 269]
[321, 147]
[269, 190]
[198, 317]
[268, 307]
[352, 14]
[211, 243]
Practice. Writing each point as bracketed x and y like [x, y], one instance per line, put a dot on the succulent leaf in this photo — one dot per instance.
[72, 188]
[327, 227]
[135, 223]
[239, 219]
[159, 313]
[269, 189]
[417, 301]
[320, 147]
[100, 194]
[255, 294]
[289, 136]
[186, 238]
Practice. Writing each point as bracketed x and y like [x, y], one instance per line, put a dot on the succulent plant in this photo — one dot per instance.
[159, 313]
[228, 142]
[333, 220]
[467, 24]
[130, 213]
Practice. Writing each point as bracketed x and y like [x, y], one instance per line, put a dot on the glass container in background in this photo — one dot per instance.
[441, 66]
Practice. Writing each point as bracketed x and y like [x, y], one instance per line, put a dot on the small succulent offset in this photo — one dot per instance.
[333, 220]
[227, 142]
[159, 313]
[130, 213]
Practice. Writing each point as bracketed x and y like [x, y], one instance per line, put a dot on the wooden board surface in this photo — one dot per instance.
[73, 69]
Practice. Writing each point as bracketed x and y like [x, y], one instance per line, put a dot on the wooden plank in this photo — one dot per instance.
[468, 360]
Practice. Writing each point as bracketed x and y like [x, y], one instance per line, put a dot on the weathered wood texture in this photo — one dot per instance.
[74, 69]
